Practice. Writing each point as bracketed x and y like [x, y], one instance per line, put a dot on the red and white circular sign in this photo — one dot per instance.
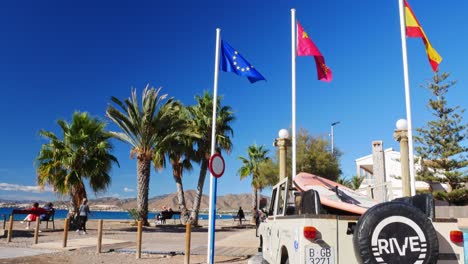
[216, 165]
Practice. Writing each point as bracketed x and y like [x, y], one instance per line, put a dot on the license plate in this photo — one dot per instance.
[320, 255]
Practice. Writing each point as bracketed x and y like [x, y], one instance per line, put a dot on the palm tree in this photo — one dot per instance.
[344, 182]
[82, 153]
[256, 155]
[201, 123]
[356, 181]
[180, 153]
[148, 130]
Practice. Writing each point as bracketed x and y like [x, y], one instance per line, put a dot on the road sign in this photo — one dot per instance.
[216, 165]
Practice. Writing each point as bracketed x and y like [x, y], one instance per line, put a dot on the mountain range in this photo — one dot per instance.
[224, 203]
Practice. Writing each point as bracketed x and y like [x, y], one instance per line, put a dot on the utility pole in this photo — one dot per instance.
[331, 135]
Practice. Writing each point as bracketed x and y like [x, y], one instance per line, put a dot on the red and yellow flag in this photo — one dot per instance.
[305, 47]
[414, 30]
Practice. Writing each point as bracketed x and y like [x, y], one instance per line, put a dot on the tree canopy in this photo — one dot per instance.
[439, 142]
[83, 152]
[313, 156]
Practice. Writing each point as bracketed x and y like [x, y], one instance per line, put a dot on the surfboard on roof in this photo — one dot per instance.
[333, 194]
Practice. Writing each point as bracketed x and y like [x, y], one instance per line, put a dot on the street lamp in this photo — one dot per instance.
[401, 135]
[282, 142]
[331, 134]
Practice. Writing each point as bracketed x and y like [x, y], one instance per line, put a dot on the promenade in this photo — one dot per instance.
[164, 243]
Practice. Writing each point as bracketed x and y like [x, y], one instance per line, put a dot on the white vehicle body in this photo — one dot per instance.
[283, 239]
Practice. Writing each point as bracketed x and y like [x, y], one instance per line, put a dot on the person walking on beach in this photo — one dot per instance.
[240, 215]
[257, 220]
[83, 213]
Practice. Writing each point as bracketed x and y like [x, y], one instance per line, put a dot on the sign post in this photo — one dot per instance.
[216, 166]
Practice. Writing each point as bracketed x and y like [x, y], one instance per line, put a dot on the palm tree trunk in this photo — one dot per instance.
[177, 173]
[199, 194]
[143, 178]
[77, 194]
[254, 204]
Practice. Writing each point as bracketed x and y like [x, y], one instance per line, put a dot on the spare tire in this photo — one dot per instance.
[395, 232]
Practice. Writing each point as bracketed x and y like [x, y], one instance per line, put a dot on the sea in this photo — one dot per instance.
[109, 215]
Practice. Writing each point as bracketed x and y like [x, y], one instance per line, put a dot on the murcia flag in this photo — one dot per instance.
[305, 47]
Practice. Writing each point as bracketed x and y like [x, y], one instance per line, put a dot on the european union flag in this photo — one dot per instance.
[232, 61]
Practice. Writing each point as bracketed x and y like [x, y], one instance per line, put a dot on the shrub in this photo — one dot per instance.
[455, 197]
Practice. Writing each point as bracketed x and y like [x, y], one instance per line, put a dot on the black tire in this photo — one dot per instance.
[395, 232]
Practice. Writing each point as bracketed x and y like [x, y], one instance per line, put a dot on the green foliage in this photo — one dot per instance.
[148, 128]
[201, 117]
[251, 165]
[439, 142]
[313, 156]
[133, 214]
[83, 152]
[356, 181]
[268, 171]
[424, 192]
[344, 181]
[455, 197]
[256, 155]
[353, 183]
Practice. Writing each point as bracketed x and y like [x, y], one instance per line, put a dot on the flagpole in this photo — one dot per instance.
[213, 180]
[407, 96]
[293, 88]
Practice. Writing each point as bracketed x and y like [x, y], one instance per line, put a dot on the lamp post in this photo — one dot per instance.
[282, 142]
[331, 135]
[401, 135]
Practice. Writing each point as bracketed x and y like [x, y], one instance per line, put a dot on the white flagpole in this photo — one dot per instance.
[407, 96]
[212, 213]
[293, 88]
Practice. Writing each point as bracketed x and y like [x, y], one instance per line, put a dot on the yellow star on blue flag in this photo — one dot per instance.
[232, 61]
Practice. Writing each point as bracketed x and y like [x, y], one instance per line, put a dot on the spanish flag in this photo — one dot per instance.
[414, 30]
[306, 47]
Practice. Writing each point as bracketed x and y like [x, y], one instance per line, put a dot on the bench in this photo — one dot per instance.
[236, 219]
[164, 215]
[49, 217]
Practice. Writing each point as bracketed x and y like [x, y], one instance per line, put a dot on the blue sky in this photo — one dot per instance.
[57, 57]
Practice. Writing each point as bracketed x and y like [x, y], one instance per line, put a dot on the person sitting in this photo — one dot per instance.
[35, 211]
[157, 217]
[163, 214]
[45, 217]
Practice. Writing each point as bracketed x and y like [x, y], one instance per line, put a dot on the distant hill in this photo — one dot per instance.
[229, 202]
[225, 203]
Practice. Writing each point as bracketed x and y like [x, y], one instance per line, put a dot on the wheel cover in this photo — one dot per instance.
[417, 243]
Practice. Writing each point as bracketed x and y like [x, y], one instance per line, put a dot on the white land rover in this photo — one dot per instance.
[300, 230]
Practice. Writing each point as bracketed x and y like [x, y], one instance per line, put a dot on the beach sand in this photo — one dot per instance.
[158, 240]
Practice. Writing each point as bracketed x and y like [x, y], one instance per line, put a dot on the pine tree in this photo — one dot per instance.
[439, 142]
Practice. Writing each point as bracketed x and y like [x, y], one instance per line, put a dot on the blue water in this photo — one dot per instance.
[61, 214]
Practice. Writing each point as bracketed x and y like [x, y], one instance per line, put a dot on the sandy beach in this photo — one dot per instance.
[160, 244]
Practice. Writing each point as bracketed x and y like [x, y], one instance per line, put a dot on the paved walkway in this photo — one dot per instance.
[73, 244]
[239, 243]
[21, 252]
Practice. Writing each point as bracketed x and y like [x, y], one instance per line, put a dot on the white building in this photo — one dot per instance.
[364, 166]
